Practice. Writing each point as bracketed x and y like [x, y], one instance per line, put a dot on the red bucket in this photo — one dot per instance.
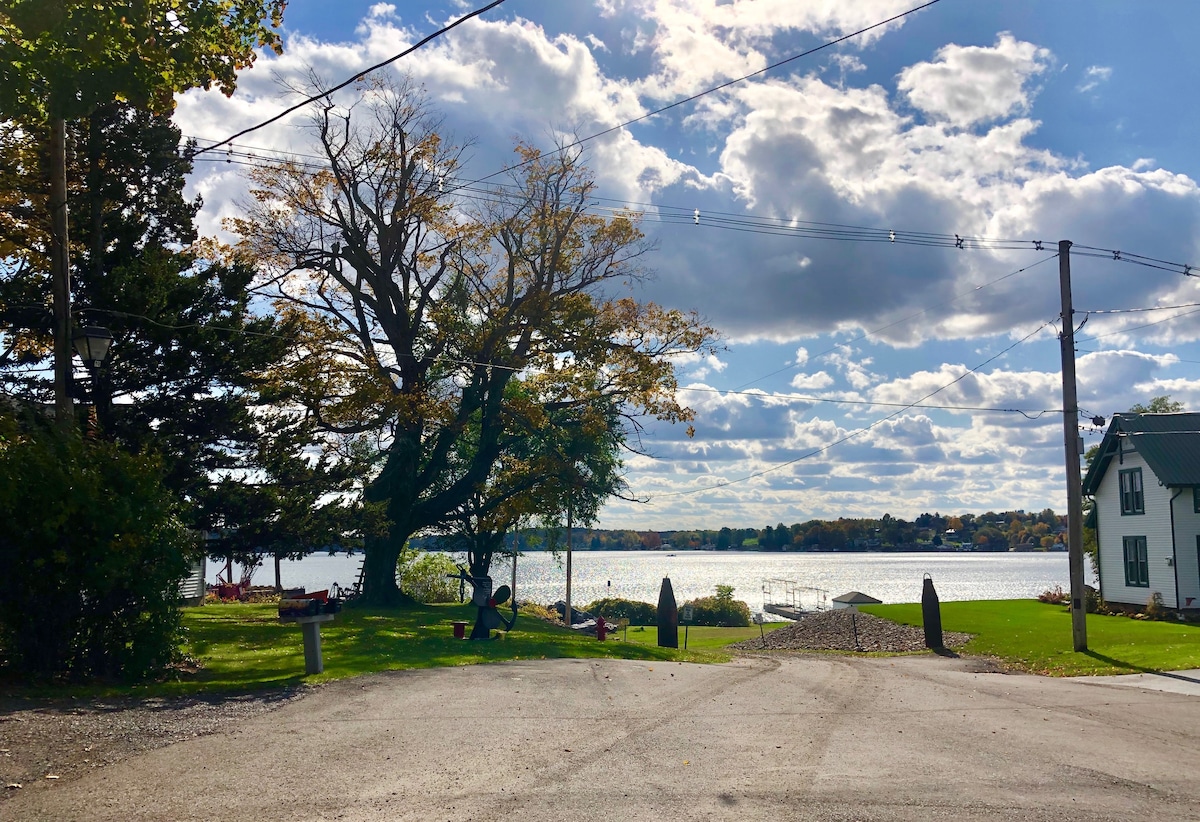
[460, 630]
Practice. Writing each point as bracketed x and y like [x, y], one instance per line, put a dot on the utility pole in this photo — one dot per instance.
[567, 611]
[60, 261]
[1071, 441]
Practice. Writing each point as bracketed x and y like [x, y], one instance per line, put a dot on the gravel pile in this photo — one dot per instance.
[846, 630]
[43, 744]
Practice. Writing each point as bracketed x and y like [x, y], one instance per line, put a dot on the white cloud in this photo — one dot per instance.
[812, 382]
[700, 43]
[968, 85]
[1093, 76]
[946, 146]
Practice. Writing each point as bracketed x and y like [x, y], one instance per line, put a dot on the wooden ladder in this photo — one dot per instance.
[362, 573]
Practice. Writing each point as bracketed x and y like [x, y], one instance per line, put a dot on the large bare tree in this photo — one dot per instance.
[452, 321]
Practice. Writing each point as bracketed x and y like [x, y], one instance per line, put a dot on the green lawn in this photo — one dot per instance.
[245, 646]
[1036, 637]
[700, 638]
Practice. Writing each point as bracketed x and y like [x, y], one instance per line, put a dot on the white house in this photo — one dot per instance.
[1145, 483]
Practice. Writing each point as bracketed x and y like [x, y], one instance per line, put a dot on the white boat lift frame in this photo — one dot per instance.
[789, 599]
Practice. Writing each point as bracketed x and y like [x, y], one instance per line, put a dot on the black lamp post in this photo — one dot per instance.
[91, 344]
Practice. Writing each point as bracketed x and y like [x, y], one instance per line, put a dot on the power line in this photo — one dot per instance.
[743, 223]
[1134, 310]
[859, 431]
[724, 85]
[353, 79]
[1139, 327]
[473, 363]
[674, 214]
[1186, 269]
[765, 395]
[902, 320]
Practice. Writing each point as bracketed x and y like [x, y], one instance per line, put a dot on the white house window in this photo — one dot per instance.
[1196, 498]
[1132, 501]
[1137, 567]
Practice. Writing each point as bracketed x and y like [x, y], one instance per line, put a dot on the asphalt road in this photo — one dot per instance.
[797, 738]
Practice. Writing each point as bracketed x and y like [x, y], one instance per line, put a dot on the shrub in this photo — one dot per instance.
[1154, 607]
[91, 554]
[423, 576]
[638, 613]
[720, 610]
[532, 609]
[1055, 596]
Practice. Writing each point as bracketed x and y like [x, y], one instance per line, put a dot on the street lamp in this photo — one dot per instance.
[91, 344]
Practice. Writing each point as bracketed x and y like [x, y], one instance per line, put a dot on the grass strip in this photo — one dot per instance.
[1036, 637]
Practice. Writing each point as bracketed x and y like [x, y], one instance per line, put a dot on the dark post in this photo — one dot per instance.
[668, 616]
[931, 615]
[1072, 442]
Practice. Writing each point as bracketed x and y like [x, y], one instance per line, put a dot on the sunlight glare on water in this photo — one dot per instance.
[638, 575]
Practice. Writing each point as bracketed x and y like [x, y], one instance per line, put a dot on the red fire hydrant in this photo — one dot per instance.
[601, 628]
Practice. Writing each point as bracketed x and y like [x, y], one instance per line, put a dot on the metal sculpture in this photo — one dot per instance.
[488, 617]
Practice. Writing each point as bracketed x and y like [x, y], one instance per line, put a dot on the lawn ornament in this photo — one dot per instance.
[488, 617]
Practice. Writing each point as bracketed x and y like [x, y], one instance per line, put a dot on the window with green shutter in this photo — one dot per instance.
[1132, 500]
[1137, 566]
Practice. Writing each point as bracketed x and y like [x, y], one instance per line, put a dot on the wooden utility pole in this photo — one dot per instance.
[1071, 441]
[60, 263]
[567, 611]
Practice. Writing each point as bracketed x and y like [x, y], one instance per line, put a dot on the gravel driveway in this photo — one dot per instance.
[810, 737]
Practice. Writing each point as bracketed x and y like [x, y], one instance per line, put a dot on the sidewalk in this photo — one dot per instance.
[1176, 682]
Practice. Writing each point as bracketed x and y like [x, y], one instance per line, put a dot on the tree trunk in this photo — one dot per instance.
[379, 573]
[395, 487]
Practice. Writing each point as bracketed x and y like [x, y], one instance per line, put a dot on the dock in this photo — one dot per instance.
[788, 599]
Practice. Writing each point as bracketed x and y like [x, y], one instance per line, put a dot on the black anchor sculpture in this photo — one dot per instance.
[488, 617]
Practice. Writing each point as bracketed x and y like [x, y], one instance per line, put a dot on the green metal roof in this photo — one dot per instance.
[1170, 444]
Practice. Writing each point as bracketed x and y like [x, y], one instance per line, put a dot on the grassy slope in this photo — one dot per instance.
[699, 637]
[1036, 637]
[245, 647]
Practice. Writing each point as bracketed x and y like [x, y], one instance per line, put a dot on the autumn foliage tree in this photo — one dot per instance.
[452, 327]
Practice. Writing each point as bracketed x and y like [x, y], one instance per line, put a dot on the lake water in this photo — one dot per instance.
[638, 575]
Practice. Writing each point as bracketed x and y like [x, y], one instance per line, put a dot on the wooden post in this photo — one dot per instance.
[567, 611]
[60, 264]
[1071, 443]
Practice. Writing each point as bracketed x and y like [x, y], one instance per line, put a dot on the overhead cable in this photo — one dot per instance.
[856, 432]
[358, 76]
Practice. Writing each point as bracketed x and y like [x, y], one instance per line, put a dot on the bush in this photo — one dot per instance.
[638, 613]
[423, 576]
[91, 554]
[1154, 607]
[721, 610]
[1055, 596]
[533, 609]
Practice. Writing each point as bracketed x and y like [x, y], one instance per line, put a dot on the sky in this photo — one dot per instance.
[857, 376]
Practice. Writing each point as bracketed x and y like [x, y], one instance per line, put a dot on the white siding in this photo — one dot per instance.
[192, 587]
[1154, 525]
[1187, 564]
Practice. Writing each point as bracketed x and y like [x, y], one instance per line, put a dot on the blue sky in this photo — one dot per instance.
[1027, 121]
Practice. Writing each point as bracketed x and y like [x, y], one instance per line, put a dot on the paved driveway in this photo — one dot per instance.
[798, 738]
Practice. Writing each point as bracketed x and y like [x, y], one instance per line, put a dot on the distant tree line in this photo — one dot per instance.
[991, 531]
